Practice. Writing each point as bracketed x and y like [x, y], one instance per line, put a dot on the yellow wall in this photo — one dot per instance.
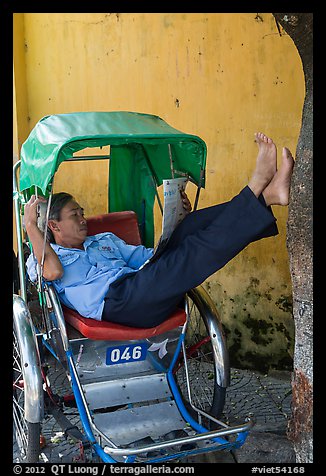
[220, 76]
[21, 118]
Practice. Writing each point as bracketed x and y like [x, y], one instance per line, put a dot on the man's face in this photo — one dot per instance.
[71, 229]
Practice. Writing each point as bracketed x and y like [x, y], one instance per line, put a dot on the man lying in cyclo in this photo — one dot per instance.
[103, 278]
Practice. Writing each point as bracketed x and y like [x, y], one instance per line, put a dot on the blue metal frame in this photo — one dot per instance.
[221, 443]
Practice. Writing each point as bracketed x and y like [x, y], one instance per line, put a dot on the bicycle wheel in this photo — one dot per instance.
[207, 361]
[26, 434]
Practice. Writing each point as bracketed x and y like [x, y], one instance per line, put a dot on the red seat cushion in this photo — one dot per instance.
[124, 225]
[102, 330]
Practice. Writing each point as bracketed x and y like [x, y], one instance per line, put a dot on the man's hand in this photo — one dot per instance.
[186, 202]
[30, 211]
[52, 268]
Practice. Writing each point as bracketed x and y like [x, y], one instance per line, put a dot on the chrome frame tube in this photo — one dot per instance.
[178, 441]
[20, 257]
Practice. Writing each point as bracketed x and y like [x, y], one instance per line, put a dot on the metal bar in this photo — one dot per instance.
[87, 157]
[40, 266]
[184, 174]
[80, 399]
[45, 227]
[149, 165]
[198, 410]
[181, 338]
[159, 201]
[188, 439]
[83, 398]
[21, 264]
[198, 189]
[212, 332]
[171, 161]
[60, 318]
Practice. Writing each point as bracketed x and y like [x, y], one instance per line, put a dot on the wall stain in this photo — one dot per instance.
[285, 303]
[258, 325]
[259, 18]
[259, 330]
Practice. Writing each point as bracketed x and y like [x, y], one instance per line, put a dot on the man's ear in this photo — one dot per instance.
[53, 225]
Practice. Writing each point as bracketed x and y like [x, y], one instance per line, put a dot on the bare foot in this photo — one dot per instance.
[278, 190]
[265, 164]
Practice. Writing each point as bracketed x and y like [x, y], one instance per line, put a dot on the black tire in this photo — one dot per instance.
[26, 434]
[206, 393]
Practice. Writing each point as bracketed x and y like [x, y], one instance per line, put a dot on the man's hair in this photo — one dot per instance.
[58, 201]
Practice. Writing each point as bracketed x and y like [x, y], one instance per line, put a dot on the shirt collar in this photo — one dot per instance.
[87, 242]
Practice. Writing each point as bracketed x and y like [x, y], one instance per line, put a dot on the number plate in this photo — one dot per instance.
[123, 354]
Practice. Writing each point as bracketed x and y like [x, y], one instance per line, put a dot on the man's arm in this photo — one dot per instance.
[52, 268]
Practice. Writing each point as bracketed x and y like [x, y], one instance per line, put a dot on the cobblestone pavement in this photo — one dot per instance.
[265, 398]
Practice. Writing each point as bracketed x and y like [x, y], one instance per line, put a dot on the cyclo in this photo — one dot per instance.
[142, 394]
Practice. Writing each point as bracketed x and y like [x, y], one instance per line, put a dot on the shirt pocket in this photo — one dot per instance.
[108, 253]
[109, 259]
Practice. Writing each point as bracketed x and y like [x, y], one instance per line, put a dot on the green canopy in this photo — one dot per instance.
[142, 147]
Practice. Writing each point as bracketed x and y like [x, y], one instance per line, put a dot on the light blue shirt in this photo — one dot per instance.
[88, 273]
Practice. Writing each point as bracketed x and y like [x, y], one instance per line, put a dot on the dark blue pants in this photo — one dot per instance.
[203, 243]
